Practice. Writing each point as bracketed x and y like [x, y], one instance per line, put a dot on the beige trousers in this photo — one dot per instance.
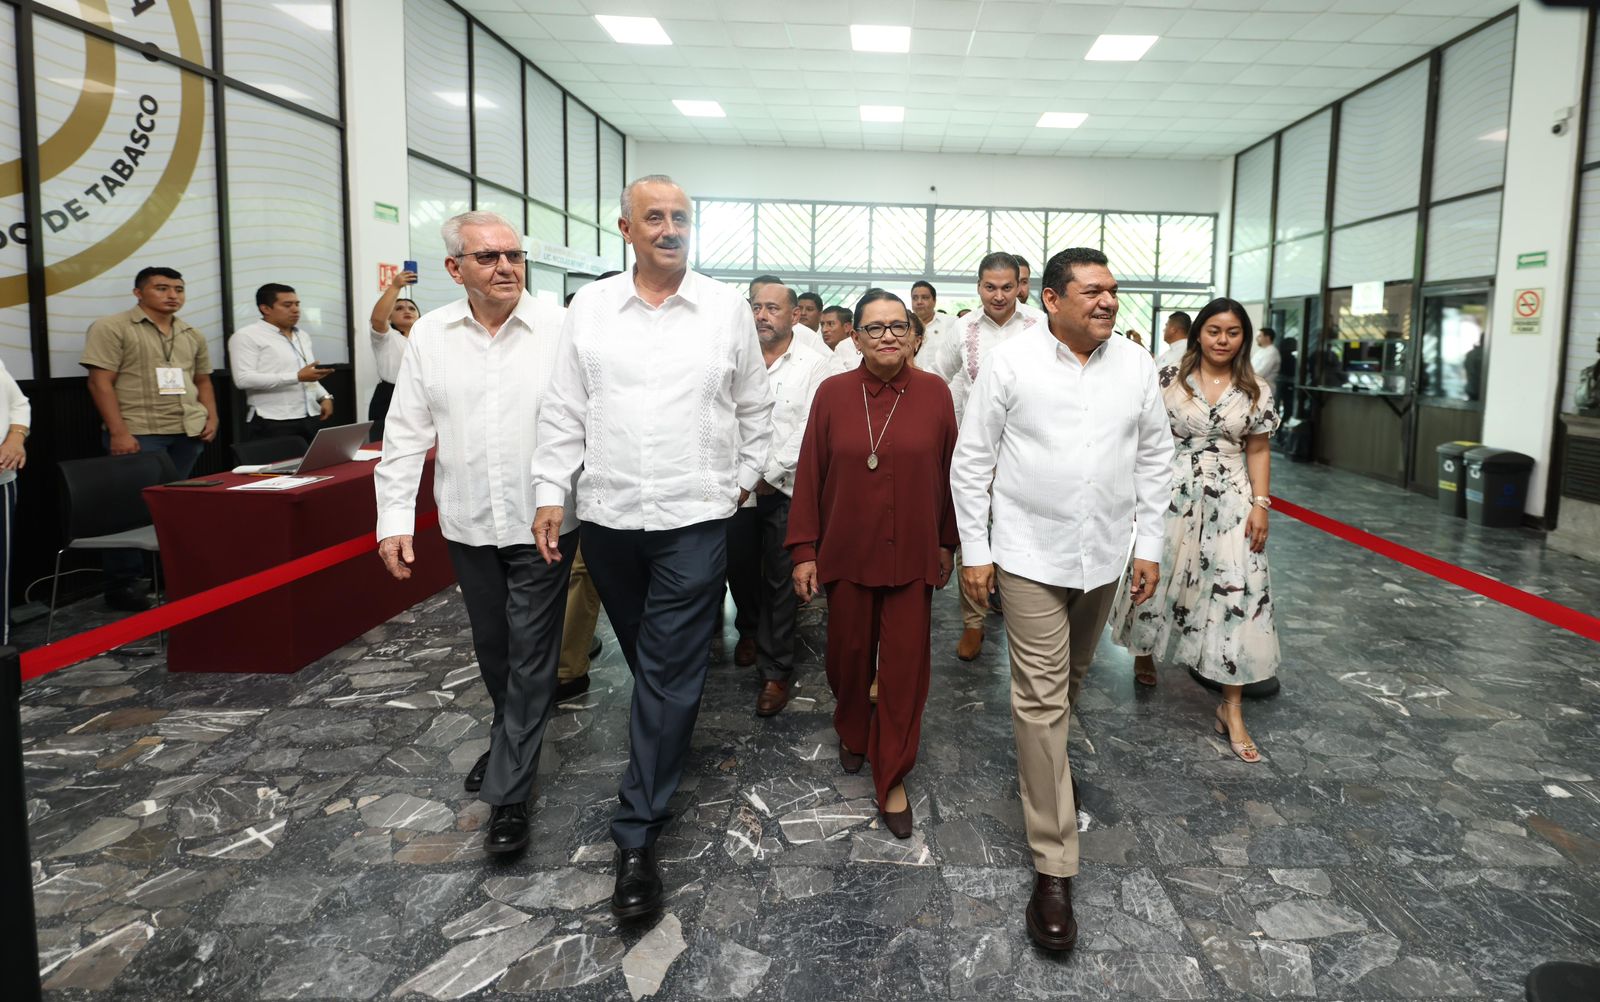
[577, 630]
[1052, 633]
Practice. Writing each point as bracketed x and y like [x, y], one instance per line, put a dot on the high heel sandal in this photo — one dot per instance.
[1246, 750]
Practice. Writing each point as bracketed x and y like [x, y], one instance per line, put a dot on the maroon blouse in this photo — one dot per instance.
[876, 527]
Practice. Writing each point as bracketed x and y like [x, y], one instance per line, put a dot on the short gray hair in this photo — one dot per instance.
[451, 230]
[627, 193]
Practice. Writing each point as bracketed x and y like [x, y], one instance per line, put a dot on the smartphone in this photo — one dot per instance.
[410, 266]
[335, 366]
[194, 483]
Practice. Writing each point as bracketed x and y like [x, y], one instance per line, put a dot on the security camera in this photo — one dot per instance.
[1562, 117]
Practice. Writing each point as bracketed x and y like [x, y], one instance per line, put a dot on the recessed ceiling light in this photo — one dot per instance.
[700, 109]
[1060, 120]
[634, 30]
[882, 113]
[880, 38]
[1120, 48]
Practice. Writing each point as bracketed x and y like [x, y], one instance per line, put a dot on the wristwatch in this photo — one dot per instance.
[1262, 501]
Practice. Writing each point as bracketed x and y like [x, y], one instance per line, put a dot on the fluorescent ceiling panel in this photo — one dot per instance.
[1061, 120]
[634, 30]
[880, 38]
[882, 113]
[1120, 48]
[700, 109]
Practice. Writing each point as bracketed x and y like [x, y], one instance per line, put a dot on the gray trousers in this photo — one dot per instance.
[515, 602]
[661, 590]
[760, 563]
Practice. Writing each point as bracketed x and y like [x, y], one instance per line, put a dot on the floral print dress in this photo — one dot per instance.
[1212, 610]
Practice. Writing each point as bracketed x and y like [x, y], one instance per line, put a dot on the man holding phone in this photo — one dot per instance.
[274, 364]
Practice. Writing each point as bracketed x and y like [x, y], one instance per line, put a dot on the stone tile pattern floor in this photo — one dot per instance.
[1424, 826]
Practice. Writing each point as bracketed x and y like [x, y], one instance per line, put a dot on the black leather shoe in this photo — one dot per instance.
[594, 649]
[474, 780]
[1049, 914]
[638, 891]
[508, 829]
[127, 600]
[572, 688]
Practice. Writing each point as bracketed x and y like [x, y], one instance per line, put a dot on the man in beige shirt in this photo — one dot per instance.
[150, 377]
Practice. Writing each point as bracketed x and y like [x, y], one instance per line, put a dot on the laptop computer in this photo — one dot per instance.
[331, 447]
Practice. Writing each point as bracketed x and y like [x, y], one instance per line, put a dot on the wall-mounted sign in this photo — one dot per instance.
[565, 258]
[1533, 259]
[1366, 298]
[385, 213]
[1527, 311]
[386, 274]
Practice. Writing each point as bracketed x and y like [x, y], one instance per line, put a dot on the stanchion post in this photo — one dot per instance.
[19, 953]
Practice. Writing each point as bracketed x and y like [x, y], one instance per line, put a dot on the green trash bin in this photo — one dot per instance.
[1497, 486]
[1452, 474]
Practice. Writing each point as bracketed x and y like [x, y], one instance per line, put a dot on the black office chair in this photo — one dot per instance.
[104, 510]
[268, 450]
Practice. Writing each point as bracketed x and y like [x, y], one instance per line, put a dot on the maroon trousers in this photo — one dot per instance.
[889, 626]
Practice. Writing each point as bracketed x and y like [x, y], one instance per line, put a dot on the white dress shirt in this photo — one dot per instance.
[1266, 361]
[1071, 451]
[478, 397]
[266, 365]
[1172, 354]
[845, 356]
[811, 339]
[793, 378]
[937, 333]
[975, 337]
[388, 348]
[17, 410]
[665, 409]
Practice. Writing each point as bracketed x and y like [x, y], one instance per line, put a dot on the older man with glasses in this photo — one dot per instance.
[660, 406]
[472, 379]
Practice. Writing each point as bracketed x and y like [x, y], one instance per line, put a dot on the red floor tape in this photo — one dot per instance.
[1540, 608]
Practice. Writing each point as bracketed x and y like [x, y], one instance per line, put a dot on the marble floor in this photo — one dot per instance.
[1424, 826]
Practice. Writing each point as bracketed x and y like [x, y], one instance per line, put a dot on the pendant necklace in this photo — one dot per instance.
[872, 444]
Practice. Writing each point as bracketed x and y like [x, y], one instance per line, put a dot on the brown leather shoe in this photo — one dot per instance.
[971, 643]
[774, 697]
[849, 761]
[744, 652]
[1049, 914]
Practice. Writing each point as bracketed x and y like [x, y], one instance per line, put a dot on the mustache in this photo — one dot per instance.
[669, 243]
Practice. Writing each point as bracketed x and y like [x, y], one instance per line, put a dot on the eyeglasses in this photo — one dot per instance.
[876, 332]
[490, 258]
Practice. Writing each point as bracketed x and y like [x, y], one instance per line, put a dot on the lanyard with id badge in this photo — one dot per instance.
[169, 377]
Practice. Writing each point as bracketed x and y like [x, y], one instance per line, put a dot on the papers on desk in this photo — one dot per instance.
[278, 483]
[368, 455]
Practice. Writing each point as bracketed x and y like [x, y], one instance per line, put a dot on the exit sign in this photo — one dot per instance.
[1533, 259]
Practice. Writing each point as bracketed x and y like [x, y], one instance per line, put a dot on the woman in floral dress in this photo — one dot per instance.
[1213, 608]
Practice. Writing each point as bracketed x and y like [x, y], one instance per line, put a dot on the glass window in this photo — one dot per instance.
[899, 240]
[583, 198]
[1252, 197]
[284, 166]
[612, 249]
[1454, 335]
[843, 238]
[109, 212]
[497, 108]
[547, 168]
[582, 237]
[436, 86]
[547, 283]
[435, 195]
[1297, 267]
[1187, 246]
[1463, 238]
[1380, 147]
[1131, 246]
[1019, 232]
[286, 49]
[1078, 229]
[724, 235]
[1469, 152]
[181, 28]
[547, 225]
[506, 203]
[784, 237]
[1135, 312]
[1380, 251]
[1247, 282]
[1303, 177]
[611, 182]
[1366, 351]
[960, 239]
[1583, 335]
[16, 337]
[841, 295]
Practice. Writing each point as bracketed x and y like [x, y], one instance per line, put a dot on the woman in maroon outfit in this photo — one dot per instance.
[872, 521]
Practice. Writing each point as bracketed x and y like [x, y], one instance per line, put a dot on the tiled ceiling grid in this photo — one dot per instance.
[1223, 74]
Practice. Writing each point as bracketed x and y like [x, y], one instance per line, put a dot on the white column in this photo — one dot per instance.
[375, 102]
[1536, 215]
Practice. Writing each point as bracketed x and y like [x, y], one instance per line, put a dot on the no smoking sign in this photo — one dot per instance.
[1527, 311]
